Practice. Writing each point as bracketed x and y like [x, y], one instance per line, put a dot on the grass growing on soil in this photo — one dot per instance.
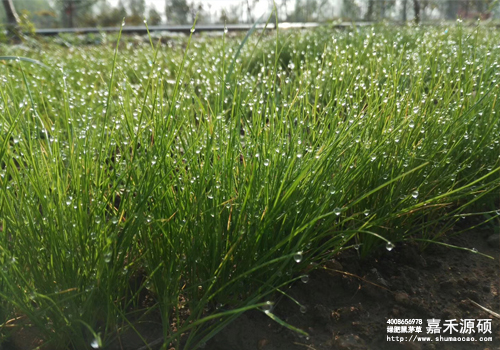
[189, 181]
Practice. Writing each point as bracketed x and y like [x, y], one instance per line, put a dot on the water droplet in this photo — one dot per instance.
[337, 211]
[257, 155]
[123, 23]
[266, 162]
[97, 219]
[497, 211]
[389, 246]
[356, 246]
[299, 155]
[107, 257]
[95, 344]
[412, 124]
[474, 250]
[366, 212]
[414, 194]
[225, 30]
[192, 30]
[298, 257]
[303, 309]
[114, 220]
[304, 279]
[268, 306]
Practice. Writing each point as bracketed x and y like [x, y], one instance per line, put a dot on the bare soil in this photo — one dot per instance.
[349, 301]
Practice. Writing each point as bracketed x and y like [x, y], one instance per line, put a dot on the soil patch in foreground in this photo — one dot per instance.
[351, 312]
[349, 301]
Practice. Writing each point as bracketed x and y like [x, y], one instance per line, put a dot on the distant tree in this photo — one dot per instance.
[45, 19]
[416, 10]
[154, 18]
[369, 12]
[404, 11]
[230, 16]
[113, 17]
[75, 12]
[249, 11]
[136, 10]
[350, 10]
[310, 10]
[284, 8]
[10, 13]
[298, 13]
[177, 11]
[39, 13]
[451, 9]
[197, 10]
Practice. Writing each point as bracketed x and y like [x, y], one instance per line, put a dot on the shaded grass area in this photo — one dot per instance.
[147, 178]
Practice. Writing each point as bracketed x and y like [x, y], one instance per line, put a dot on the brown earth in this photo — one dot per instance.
[349, 301]
[351, 312]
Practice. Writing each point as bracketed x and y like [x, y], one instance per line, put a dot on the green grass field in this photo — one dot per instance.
[196, 178]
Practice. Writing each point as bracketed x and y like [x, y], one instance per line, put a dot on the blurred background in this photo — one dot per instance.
[109, 13]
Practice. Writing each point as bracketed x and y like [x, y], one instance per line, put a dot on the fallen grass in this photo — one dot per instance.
[188, 181]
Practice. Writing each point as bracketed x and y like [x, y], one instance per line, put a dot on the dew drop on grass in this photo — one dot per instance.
[266, 162]
[97, 219]
[94, 344]
[497, 211]
[356, 246]
[114, 220]
[474, 250]
[267, 307]
[303, 309]
[337, 211]
[389, 246]
[412, 124]
[414, 194]
[297, 257]
[225, 30]
[299, 155]
[366, 212]
[192, 30]
[304, 279]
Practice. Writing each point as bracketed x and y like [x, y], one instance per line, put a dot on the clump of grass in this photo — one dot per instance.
[157, 173]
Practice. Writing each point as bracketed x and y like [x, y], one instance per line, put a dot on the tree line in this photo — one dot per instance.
[92, 13]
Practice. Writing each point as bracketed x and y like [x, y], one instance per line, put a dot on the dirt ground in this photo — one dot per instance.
[349, 302]
[348, 312]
